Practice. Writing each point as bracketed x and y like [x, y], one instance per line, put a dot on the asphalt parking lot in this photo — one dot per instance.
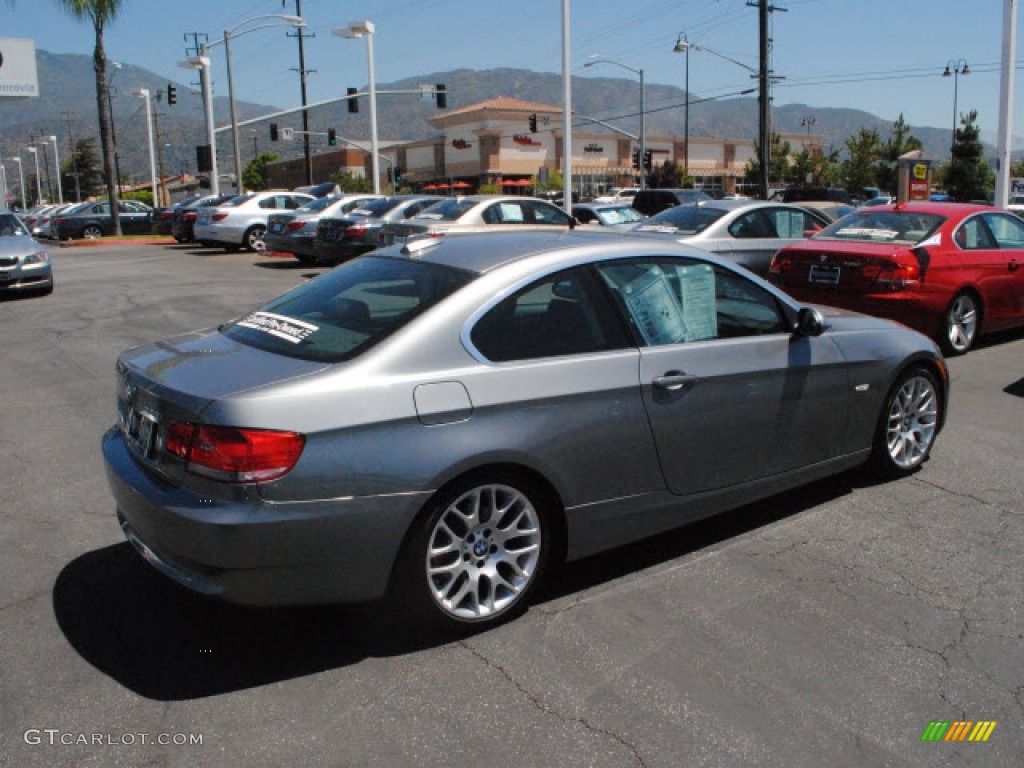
[825, 627]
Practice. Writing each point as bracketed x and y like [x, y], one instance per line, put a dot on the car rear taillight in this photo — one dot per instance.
[167, 215]
[190, 216]
[62, 221]
[780, 264]
[219, 216]
[892, 275]
[293, 225]
[233, 454]
[355, 231]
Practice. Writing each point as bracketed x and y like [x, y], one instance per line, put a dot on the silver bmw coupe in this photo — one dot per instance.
[436, 423]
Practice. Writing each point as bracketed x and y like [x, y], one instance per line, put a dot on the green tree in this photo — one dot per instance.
[668, 175]
[86, 164]
[860, 169]
[254, 177]
[489, 189]
[968, 176]
[812, 168]
[899, 143]
[351, 183]
[778, 164]
[100, 13]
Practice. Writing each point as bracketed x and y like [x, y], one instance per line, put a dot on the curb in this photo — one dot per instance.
[112, 241]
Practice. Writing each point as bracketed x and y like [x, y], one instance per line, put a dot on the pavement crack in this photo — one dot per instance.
[535, 700]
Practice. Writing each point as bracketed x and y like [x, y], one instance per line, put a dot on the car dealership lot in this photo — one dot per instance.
[827, 626]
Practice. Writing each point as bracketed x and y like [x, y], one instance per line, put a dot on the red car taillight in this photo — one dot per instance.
[219, 216]
[293, 225]
[167, 215]
[355, 231]
[892, 275]
[190, 216]
[233, 454]
[780, 264]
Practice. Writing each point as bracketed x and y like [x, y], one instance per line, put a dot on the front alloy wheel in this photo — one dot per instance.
[484, 551]
[909, 423]
[961, 324]
[254, 239]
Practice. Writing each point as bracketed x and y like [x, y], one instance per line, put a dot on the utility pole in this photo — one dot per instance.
[302, 85]
[70, 116]
[764, 132]
[166, 198]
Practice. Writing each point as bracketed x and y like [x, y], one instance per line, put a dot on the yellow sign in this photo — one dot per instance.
[920, 170]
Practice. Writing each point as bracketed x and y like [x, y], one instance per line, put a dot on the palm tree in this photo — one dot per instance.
[100, 13]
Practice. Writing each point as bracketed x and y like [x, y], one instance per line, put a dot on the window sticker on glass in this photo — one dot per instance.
[875, 234]
[697, 283]
[511, 213]
[656, 311]
[287, 328]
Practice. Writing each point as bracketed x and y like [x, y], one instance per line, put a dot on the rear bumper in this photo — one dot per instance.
[285, 244]
[258, 553]
[219, 234]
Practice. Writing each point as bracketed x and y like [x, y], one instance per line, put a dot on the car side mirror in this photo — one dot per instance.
[809, 322]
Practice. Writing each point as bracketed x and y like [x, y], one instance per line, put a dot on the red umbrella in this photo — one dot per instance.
[461, 185]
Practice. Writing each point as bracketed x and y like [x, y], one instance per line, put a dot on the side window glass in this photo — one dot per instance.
[1007, 229]
[561, 314]
[678, 301]
[548, 214]
[793, 224]
[511, 213]
[492, 215]
[973, 235]
[751, 225]
[267, 202]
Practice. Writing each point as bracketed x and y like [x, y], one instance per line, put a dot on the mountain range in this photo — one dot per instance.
[68, 100]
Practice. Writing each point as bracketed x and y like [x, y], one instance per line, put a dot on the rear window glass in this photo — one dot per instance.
[378, 207]
[621, 215]
[315, 206]
[903, 227]
[240, 200]
[348, 310]
[685, 219]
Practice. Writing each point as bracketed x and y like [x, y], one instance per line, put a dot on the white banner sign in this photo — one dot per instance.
[18, 78]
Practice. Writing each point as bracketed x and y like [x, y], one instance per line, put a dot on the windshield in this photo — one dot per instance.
[447, 210]
[378, 207]
[902, 227]
[685, 219]
[10, 225]
[348, 310]
[621, 215]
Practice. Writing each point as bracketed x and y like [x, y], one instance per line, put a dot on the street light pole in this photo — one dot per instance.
[113, 132]
[56, 162]
[144, 93]
[39, 185]
[202, 63]
[21, 182]
[955, 68]
[683, 46]
[357, 29]
[643, 113]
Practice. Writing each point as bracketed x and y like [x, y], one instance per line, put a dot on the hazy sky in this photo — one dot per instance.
[883, 56]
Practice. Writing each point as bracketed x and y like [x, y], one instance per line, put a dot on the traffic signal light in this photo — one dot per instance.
[442, 96]
[274, 134]
[533, 123]
[204, 158]
[353, 104]
[172, 94]
[636, 159]
[648, 159]
[332, 137]
[399, 170]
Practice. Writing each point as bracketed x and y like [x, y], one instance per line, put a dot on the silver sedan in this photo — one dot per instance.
[24, 263]
[439, 422]
[745, 232]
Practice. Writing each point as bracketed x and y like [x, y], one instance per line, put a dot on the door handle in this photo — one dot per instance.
[674, 381]
[1014, 265]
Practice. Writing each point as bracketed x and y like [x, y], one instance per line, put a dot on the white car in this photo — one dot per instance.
[242, 221]
[618, 195]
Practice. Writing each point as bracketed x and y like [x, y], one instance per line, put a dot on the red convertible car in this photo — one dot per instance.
[950, 270]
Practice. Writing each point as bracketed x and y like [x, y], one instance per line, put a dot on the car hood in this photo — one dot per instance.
[206, 365]
[18, 245]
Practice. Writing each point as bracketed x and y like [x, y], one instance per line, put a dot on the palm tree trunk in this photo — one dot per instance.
[99, 63]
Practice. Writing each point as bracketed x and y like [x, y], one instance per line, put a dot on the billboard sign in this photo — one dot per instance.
[18, 79]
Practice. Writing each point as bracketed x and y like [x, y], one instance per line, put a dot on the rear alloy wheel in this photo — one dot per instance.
[961, 324]
[91, 232]
[908, 423]
[479, 553]
[253, 239]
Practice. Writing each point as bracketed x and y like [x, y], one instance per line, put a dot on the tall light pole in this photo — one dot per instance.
[56, 162]
[202, 63]
[1008, 56]
[293, 21]
[683, 46]
[643, 113]
[566, 111]
[113, 132]
[955, 68]
[357, 29]
[144, 94]
[39, 185]
[3, 185]
[21, 182]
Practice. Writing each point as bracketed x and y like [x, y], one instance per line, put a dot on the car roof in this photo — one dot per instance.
[940, 209]
[484, 252]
